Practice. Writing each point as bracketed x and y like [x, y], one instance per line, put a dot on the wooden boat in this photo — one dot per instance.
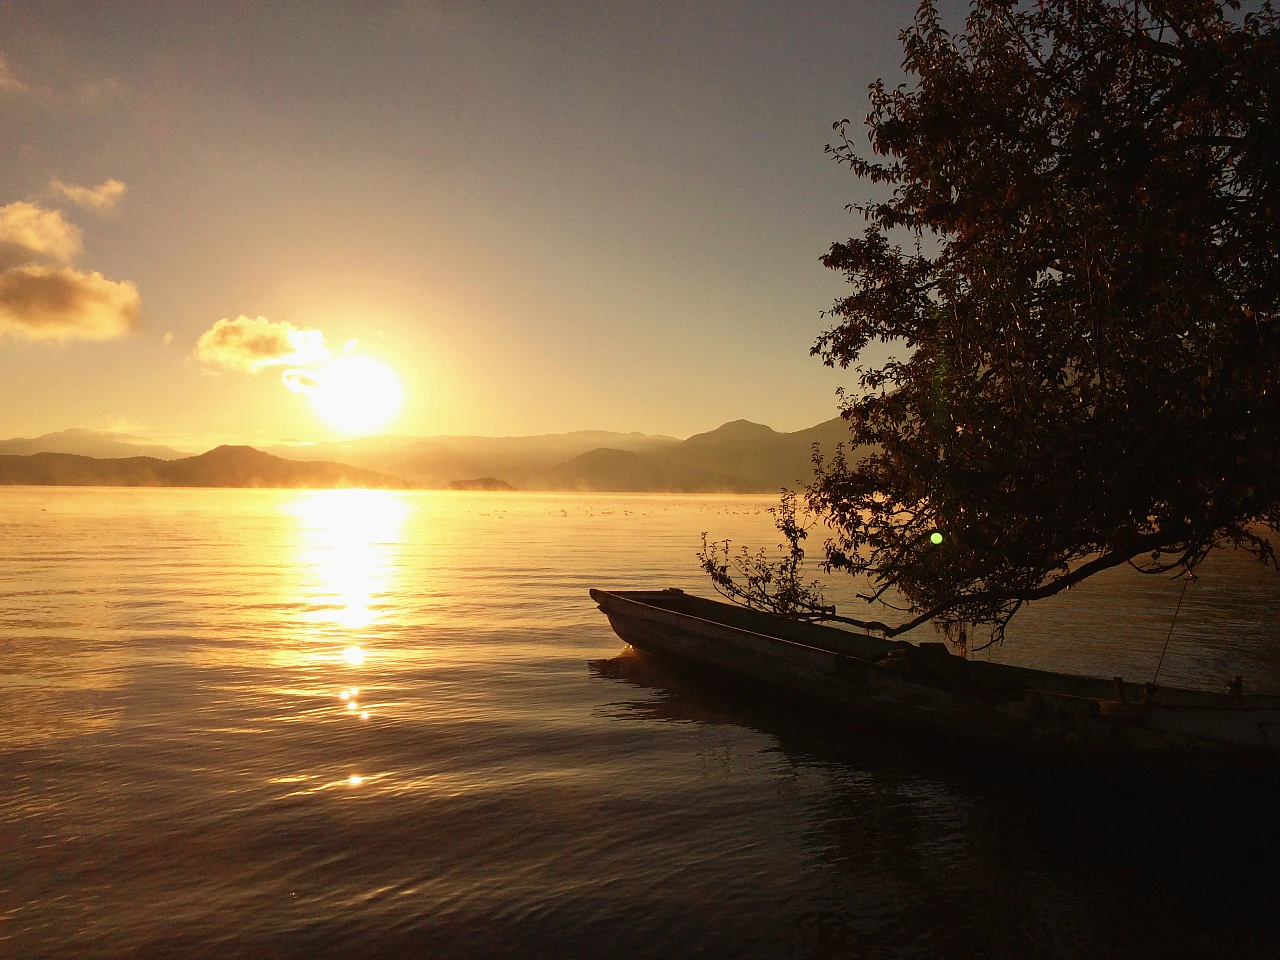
[1108, 724]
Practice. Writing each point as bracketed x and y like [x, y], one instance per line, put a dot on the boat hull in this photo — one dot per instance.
[922, 688]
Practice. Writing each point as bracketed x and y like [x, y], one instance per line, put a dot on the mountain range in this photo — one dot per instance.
[737, 457]
[221, 467]
[88, 443]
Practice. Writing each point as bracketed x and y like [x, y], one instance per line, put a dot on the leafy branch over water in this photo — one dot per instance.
[765, 583]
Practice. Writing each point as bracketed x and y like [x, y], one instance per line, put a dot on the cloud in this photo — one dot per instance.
[300, 381]
[28, 232]
[101, 198]
[39, 302]
[8, 82]
[43, 303]
[255, 344]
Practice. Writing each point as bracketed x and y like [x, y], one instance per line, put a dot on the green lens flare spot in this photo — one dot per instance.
[935, 537]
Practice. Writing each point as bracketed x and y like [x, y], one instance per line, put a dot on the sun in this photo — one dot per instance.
[356, 394]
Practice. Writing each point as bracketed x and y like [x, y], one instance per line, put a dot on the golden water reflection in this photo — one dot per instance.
[348, 540]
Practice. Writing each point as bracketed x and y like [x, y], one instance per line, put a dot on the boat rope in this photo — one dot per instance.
[1186, 582]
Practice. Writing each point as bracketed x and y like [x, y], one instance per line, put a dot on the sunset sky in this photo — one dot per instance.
[542, 217]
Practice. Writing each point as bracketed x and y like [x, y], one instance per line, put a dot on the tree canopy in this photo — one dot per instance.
[1076, 262]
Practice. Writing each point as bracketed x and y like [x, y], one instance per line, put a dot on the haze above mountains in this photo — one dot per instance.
[737, 457]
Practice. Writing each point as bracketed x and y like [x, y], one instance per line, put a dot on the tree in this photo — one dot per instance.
[1078, 256]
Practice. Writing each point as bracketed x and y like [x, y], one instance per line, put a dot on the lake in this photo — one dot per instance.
[371, 724]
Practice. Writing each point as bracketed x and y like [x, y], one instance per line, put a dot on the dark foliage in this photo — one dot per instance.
[1078, 256]
[1089, 309]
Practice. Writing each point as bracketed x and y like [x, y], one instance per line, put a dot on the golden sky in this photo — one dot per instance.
[247, 222]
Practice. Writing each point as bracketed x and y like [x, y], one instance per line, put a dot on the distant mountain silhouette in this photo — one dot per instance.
[738, 457]
[89, 443]
[222, 467]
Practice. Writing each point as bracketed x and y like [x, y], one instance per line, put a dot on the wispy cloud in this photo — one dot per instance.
[300, 381]
[8, 82]
[29, 232]
[101, 198]
[44, 303]
[253, 344]
[92, 94]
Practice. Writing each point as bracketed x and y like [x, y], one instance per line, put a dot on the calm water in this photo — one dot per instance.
[359, 724]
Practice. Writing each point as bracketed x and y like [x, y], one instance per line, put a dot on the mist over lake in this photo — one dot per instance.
[374, 723]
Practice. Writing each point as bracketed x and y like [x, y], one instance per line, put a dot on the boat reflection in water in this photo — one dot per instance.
[991, 858]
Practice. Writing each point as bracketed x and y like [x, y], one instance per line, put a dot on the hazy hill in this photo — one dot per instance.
[438, 461]
[738, 457]
[222, 467]
[88, 443]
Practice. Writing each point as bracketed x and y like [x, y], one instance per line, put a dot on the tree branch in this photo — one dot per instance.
[1143, 544]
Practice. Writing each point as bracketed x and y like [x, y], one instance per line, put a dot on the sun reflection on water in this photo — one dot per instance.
[347, 538]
